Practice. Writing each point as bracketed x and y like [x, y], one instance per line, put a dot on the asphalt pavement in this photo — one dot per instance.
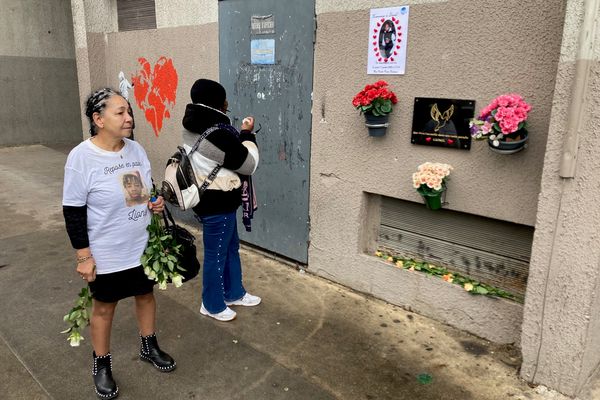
[310, 339]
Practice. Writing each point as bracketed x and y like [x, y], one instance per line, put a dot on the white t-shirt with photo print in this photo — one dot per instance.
[115, 186]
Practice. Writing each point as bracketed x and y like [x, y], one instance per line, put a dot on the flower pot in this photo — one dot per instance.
[377, 124]
[518, 143]
[433, 201]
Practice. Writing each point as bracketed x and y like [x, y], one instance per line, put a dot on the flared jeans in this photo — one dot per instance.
[222, 272]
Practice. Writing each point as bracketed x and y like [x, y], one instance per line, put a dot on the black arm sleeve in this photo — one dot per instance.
[76, 222]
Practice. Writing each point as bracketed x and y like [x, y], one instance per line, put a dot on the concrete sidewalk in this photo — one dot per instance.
[310, 339]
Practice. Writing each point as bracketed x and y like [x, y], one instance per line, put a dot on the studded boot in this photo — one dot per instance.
[106, 387]
[150, 352]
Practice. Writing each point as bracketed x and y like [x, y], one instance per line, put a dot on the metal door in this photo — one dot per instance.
[266, 65]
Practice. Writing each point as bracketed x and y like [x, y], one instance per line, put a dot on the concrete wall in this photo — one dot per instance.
[561, 330]
[174, 13]
[459, 49]
[187, 34]
[38, 79]
[195, 54]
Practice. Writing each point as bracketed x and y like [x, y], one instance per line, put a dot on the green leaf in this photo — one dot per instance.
[424, 379]
[386, 108]
[480, 290]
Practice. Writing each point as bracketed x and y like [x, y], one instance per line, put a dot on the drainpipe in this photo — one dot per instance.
[585, 55]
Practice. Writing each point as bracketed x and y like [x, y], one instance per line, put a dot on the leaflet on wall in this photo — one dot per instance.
[388, 32]
[262, 51]
[442, 122]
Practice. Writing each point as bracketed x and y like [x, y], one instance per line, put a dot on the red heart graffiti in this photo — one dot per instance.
[450, 141]
[428, 139]
[155, 90]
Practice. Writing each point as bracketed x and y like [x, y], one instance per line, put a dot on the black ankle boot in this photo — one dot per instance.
[149, 351]
[106, 387]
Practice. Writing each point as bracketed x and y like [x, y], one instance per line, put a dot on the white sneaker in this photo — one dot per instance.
[248, 300]
[226, 315]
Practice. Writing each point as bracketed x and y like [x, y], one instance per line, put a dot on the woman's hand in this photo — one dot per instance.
[157, 206]
[248, 124]
[87, 269]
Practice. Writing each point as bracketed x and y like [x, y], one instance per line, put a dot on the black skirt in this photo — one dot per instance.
[110, 288]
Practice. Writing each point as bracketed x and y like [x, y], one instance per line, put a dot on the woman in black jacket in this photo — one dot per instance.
[237, 154]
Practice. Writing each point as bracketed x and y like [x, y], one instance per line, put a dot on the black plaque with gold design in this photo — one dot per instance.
[442, 122]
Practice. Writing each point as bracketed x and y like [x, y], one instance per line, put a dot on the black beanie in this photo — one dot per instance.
[209, 93]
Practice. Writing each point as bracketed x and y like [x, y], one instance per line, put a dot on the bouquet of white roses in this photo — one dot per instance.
[79, 317]
[161, 258]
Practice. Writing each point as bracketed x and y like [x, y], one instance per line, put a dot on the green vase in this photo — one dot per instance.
[433, 201]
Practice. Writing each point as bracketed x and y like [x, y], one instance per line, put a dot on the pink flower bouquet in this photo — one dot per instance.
[504, 119]
[430, 178]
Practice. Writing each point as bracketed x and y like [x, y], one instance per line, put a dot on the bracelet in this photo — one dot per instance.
[83, 259]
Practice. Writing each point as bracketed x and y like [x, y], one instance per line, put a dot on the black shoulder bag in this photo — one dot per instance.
[187, 259]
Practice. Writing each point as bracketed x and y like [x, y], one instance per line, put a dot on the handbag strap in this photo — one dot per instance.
[213, 174]
[209, 179]
[168, 217]
[202, 137]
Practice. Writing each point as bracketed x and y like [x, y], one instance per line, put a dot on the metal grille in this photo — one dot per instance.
[136, 14]
[491, 251]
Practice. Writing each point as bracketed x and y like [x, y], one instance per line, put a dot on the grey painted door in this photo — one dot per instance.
[266, 65]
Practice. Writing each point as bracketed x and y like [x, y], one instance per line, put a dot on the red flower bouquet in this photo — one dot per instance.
[376, 99]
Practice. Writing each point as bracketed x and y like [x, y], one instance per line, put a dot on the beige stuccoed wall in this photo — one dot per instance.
[561, 329]
[187, 33]
[173, 13]
[458, 49]
[194, 51]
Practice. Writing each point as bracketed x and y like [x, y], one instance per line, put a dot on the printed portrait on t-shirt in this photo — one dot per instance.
[134, 189]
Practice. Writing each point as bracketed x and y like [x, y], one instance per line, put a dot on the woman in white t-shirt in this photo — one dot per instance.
[107, 210]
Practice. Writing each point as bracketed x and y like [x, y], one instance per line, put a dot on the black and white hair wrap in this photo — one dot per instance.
[96, 103]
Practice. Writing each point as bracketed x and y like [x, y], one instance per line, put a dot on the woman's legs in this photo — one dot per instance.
[145, 311]
[232, 274]
[101, 325]
[217, 234]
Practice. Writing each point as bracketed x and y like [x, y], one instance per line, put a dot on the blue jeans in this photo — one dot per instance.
[222, 272]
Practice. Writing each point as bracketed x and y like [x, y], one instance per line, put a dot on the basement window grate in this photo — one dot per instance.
[136, 15]
[492, 251]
